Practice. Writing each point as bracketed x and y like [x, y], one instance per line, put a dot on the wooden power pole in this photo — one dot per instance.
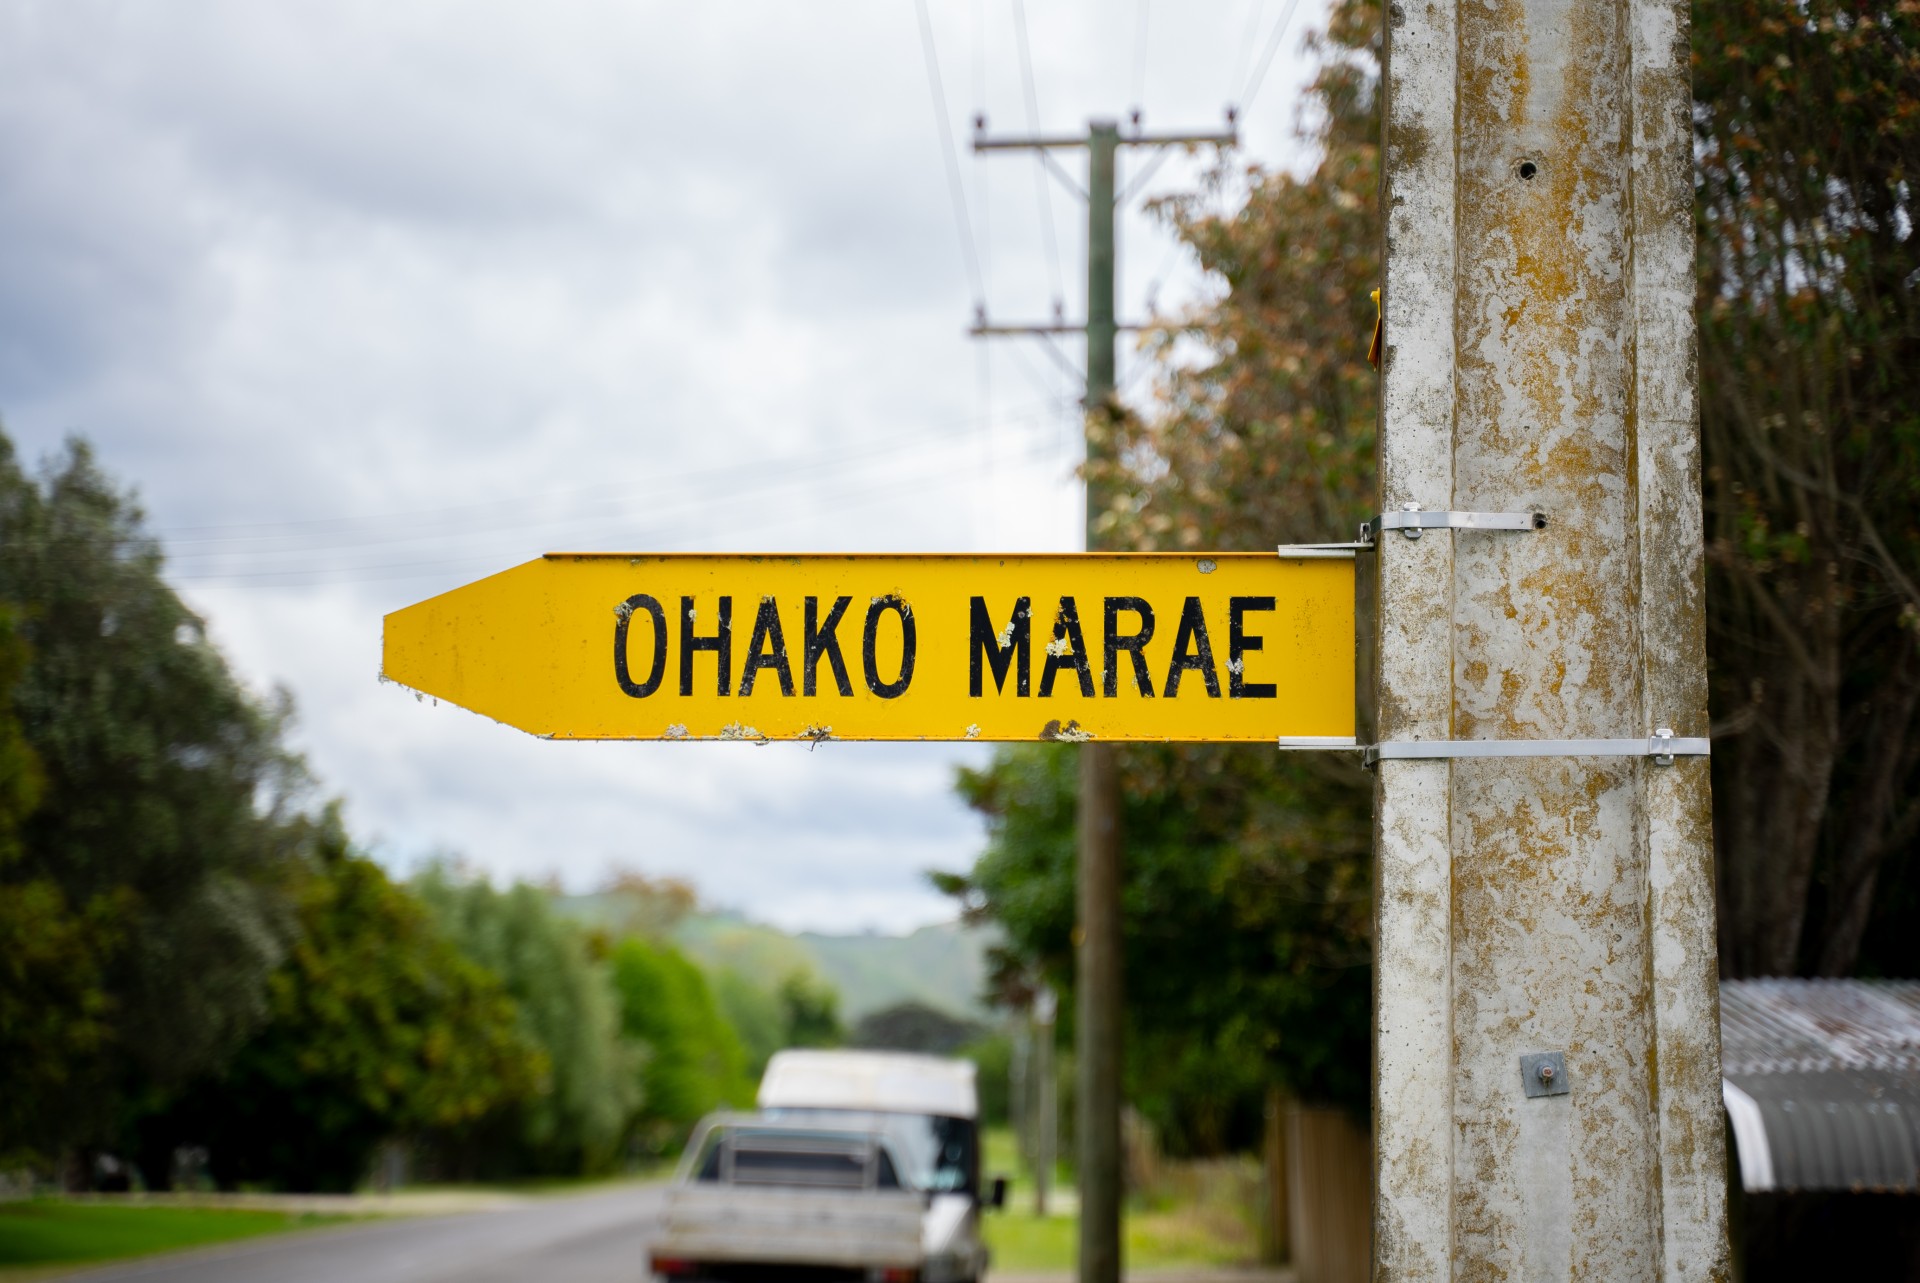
[1046, 1114]
[1097, 1011]
[1547, 1068]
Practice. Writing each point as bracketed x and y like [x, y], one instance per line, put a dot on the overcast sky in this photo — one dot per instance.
[374, 297]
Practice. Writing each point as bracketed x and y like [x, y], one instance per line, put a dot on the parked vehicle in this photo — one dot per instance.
[859, 1166]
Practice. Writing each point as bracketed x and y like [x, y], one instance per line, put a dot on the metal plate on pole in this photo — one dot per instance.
[1142, 646]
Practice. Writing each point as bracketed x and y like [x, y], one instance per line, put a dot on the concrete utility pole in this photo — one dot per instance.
[1097, 984]
[1539, 358]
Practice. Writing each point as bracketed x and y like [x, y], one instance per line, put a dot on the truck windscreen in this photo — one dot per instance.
[939, 1154]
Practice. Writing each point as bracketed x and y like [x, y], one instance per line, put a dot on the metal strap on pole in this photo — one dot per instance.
[1662, 746]
[1410, 521]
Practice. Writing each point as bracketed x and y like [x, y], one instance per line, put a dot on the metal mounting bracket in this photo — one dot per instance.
[1662, 746]
[1412, 519]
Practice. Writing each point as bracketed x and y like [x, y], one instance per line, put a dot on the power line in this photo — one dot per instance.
[979, 53]
[1255, 10]
[1140, 61]
[523, 515]
[740, 489]
[983, 197]
[840, 497]
[625, 490]
[765, 517]
[1159, 275]
[1037, 377]
[1040, 188]
[1266, 58]
[955, 188]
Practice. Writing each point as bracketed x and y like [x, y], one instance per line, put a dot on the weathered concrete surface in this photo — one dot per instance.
[1539, 355]
[1412, 1114]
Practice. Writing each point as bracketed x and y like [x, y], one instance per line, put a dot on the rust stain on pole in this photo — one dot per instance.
[1539, 356]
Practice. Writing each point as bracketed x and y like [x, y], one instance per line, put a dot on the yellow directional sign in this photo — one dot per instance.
[1143, 646]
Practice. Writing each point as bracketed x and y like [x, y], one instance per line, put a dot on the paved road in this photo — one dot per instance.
[584, 1238]
[588, 1238]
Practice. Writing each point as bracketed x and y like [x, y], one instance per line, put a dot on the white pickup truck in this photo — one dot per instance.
[860, 1167]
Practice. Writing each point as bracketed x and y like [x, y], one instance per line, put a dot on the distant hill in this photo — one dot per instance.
[943, 966]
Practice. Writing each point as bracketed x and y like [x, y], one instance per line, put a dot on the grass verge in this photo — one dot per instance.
[1023, 1243]
[1193, 1214]
[49, 1232]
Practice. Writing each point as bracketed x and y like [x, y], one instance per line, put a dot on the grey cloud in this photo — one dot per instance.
[616, 274]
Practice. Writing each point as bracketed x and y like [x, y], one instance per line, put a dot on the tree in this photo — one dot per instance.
[54, 1006]
[379, 1027]
[1241, 969]
[148, 896]
[568, 1008]
[754, 1013]
[21, 783]
[810, 1011]
[992, 1057]
[914, 1026]
[1810, 418]
[639, 905]
[694, 1062]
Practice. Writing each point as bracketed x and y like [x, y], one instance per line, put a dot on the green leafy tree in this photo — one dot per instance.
[54, 1006]
[810, 1011]
[1236, 976]
[148, 897]
[694, 1062]
[1263, 422]
[568, 1008]
[913, 1026]
[755, 1014]
[20, 780]
[379, 1028]
[1807, 146]
[992, 1057]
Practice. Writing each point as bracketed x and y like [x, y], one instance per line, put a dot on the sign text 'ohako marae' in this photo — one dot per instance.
[1143, 646]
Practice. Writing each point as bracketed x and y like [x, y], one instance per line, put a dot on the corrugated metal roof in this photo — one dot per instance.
[1822, 1082]
[1774, 1025]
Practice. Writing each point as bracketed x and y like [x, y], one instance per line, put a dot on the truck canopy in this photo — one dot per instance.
[870, 1082]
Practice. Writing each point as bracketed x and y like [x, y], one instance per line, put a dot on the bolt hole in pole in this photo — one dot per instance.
[1528, 169]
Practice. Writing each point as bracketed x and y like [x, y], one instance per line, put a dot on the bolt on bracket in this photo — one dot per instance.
[1662, 746]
